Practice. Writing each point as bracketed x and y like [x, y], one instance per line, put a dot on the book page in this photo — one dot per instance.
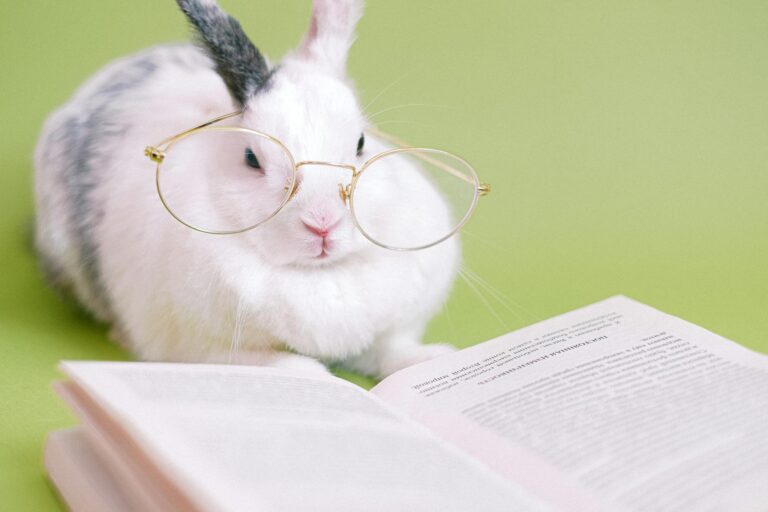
[80, 477]
[244, 438]
[121, 460]
[637, 407]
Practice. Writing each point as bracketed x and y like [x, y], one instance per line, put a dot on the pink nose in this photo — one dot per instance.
[322, 231]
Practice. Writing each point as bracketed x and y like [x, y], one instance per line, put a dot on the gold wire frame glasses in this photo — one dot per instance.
[359, 195]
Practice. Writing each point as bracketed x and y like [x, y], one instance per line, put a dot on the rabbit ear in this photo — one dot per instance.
[237, 60]
[331, 32]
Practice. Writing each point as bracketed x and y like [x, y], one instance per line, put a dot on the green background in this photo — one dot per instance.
[625, 141]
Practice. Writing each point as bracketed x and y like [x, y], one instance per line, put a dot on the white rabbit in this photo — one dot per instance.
[175, 294]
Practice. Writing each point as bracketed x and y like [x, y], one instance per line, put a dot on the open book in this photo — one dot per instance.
[615, 406]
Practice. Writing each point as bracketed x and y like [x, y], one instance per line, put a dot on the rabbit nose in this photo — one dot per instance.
[321, 229]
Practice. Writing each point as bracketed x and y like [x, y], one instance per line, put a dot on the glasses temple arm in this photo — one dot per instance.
[156, 153]
[483, 188]
[207, 123]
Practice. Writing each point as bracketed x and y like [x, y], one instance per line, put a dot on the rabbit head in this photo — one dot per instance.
[308, 103]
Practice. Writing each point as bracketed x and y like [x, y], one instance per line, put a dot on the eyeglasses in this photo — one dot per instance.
[222, 179]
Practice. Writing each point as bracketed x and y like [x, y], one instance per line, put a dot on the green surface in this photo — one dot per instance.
[625, 141]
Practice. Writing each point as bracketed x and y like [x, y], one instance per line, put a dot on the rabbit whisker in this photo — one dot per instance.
[510, 305]
[482, 298]
[396, 121]
[380, 93]
[405, 105]
[236, 341]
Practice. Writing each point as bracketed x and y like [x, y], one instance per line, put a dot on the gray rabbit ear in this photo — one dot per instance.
[331, 33]
[237, 60]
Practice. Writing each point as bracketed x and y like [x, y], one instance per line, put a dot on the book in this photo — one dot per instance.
[615, 406]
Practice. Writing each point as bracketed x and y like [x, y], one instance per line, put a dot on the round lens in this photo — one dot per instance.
[225, 179]
[413, 198]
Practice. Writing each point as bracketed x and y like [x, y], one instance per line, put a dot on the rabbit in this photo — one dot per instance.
[262, 297]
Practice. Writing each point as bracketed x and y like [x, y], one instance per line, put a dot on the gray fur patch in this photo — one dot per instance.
[238, 62]
[82, 134]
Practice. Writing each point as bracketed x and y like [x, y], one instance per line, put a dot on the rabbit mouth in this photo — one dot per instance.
[325, 246]
[328, 253]
[321, 260]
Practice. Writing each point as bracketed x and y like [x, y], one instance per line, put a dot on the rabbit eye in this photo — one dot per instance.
[251, 160]
[360, 144]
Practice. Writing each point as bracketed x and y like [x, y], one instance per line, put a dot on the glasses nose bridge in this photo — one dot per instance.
[344, 189]
[337, 165]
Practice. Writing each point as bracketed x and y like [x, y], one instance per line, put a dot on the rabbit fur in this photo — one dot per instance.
[259, 297]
